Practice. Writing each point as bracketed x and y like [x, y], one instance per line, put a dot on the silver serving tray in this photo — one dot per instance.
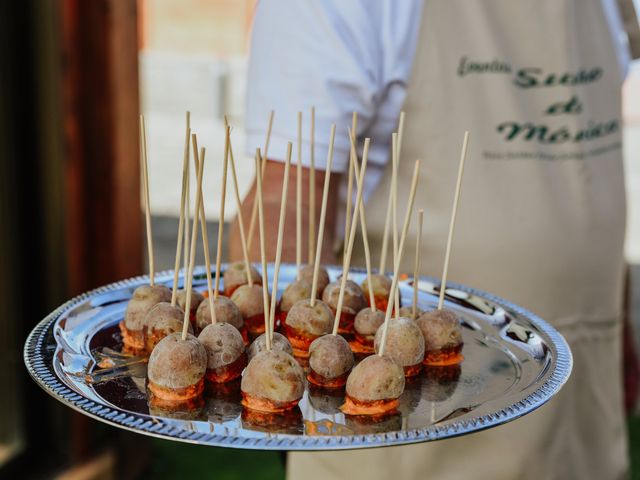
[514, 363]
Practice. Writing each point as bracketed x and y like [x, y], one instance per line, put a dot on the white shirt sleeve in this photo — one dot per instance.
[339, 56]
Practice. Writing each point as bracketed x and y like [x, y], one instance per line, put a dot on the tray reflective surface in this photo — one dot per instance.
[514, 363]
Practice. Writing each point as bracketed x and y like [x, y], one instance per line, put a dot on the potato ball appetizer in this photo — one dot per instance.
[306, 274]
[353, 302]
[381, 289]
[273, 382]
[163, 319]
[442, 337]
[408, 312]
[226, 312]
[196, 299]
[249, 301]
[374, 387]
[225, 352]
[278, 342]
[176, 370]
[132, 327]
[295, 291]
[365, 326]
[405, 344]
[305, 323]
[235, 275]
[330, 361]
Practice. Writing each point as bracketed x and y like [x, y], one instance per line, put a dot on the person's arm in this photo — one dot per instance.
[272, 191]
[340, 57]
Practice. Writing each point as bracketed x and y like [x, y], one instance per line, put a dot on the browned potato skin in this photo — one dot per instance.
[441, 329]
[354, 300]
[275, 376]
[381, 285]
[367, 322]
[144, 297]
[376, 378]
[279, 342]
[235, 275]
[249, 300]
[176, 363]
[306, 273]
[408, 312]
[330, 356]
[295, 291]
[165, 317]
[405, 344]
[196, 299]
[223, 342]
[226, 312]
[316, 320]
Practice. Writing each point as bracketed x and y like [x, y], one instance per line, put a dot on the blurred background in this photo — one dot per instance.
[74, 76]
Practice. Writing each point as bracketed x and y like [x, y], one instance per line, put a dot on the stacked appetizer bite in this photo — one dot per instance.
[273, 382]
[178, 363]
[377, 382]
[310, 318]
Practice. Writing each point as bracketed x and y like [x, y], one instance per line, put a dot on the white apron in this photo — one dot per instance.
[541, 222]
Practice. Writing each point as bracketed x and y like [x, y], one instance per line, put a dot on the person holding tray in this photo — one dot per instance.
[542, 216]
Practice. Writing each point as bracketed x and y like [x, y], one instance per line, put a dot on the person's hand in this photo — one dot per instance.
[272, 192]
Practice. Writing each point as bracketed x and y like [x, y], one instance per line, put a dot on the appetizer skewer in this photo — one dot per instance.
[260, 171]
[413, 312]
[178, 362]
[273, 381]
[310, 318]
[441, 327]
[223, 308]
[375, 384]
[224, 343]
[345, 296]
[330, 357]
[299, 289]
[166, 318]
[253, 301]
[144, 297]
[369, 319]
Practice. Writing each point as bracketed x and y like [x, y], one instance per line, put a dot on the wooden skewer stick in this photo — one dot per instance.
[400, 134]
[236, 190]
[200, 213]
[385, 236]
[396, 269]
[283, 212]
[299, 199]
[452, 224]
[176, 265]
[187, 198]
[147, 207]
[416, 267]
[323, 216]
[260, 171]
[312, 187]
[347, 221]
[398, 149]
[223, 198]
[388, 216]
[263, 255]
[352, 235]
[192, 250]
[394, 215]
[363, 224]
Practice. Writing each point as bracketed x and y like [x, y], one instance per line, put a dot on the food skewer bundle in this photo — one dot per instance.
[317, 322]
